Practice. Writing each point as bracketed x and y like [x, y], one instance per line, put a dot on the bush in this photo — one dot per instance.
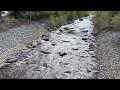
[115, 22]
[102, 20]
[60, 20]
[52, 21]
[82, 13]
[71, 15]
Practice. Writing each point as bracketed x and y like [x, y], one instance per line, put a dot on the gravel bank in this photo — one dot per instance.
[20, 36]
[108, 54]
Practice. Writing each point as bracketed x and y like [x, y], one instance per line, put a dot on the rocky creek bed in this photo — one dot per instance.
[67, 53]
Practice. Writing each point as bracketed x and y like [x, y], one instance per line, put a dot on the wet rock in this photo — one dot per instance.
[93, 56]
[62, 54]
[28, 46]
[65, 41]
[82, 56]
[34, 44]
[38, 41]
[45, 65]
[53, 44]
[91, 52]
[61, 30]
[2, 65]
[94, 33]
[45, 52]
[90, 75]
[84, 38]
[75, 48]
[71, 31]
[91, 45]
[81, 19]
[69, 72]
[11, 60]
[82, 28]
[85, 31]
[45, 38]
[66, 28]
[89, 68]
[85, 35]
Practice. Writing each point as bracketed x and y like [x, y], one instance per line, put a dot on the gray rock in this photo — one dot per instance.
[91, 45]
[89, 68]
[11, 60]
[84, 38]
[91, 52]
[66, 28]
[81, 19]
[65, 41]
[45, 52]
[34, 44]
[90, 75]
[69, 72]
[71, 31]
[2, 65]
[62, 54]
[85, 31]
[45, 38]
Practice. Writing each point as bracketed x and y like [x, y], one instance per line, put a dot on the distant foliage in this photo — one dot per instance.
[71, 15]
[82, 13]
[39, 15]
[52, 21]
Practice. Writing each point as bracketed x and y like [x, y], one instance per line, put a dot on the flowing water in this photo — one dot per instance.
[68, 54]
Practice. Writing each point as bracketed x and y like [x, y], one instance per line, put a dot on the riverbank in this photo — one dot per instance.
[108, 54]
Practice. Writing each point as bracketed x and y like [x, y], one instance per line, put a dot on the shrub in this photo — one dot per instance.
[82, 13]
[52, 21]
[60, 20]
[71, 15]
[102, 20]
[115, 22]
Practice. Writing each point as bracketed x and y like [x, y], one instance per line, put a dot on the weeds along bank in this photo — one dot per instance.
[106, 20]
[55, 18]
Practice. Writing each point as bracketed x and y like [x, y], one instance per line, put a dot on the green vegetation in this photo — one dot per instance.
[39, 15]
[56, 18]
[52, 21]
[105, 20]
[71, 15]
[82, 13]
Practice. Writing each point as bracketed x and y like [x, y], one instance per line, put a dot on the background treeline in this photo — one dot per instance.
[56, 18]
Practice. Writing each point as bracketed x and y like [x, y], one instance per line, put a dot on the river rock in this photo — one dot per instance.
[91, 52]
[84, 38]
[2, 65]
[69, 72]
[85, 31]
[81, 19]
[91, 45]
[90, 75]
[62, 53]
[34, 44]
[66, 28]
[45, 52]
[11, 60]
[71, 31]
[89, 68]
[45, 37]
